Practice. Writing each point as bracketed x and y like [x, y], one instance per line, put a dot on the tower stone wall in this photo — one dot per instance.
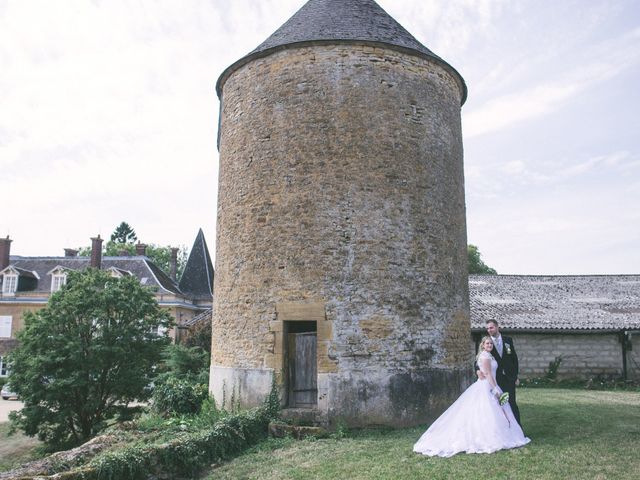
[341, 201]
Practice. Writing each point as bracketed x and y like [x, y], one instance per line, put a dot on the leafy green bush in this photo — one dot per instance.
[272, 402]
[554, 366]
[199, 335]
[341, 430]
[154, 422]
[186, 363]
[209, 413]
[185, 453]
[154, 446]
[177, 397]
[91, 350]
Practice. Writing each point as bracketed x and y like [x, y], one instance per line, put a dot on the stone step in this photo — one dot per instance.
[281, 429]
[301, 416]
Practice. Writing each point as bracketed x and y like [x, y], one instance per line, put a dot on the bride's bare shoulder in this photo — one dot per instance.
[484, 355]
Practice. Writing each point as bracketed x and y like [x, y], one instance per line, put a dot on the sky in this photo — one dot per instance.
[108, 113]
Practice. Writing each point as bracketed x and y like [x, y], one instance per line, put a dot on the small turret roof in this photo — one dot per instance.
[197, 278]
[331, 21]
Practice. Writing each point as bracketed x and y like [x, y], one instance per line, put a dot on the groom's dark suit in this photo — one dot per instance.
[507, 372]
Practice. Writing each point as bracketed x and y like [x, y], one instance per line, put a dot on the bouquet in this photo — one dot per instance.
[504, 398]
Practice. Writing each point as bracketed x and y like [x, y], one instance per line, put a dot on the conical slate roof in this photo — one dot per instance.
[340, 21]
[197, 278]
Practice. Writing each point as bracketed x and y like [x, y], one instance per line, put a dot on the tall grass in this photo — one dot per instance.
[575, 435]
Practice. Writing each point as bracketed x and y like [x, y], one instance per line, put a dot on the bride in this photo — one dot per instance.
[476, 422]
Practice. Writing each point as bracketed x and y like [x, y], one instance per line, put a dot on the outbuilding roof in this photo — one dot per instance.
[339, 21]
[567, 302]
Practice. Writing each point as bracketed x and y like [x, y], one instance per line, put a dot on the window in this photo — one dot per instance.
[5, 326]
[4, 368]
[10, 284]
[57, 281]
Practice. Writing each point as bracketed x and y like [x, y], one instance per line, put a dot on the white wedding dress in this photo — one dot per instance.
[474, 423]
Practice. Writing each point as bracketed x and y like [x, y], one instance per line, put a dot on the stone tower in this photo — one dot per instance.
[341, 243]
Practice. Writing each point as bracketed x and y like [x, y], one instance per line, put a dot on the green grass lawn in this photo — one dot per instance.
[17, 448]
[575, 434]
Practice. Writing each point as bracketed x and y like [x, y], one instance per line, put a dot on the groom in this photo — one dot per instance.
[507, 374]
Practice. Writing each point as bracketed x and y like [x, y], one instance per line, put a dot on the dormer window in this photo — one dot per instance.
[57, 281]
[10, 283]
[16, 279]
[58, 278]
[119, 272]
[115, 273]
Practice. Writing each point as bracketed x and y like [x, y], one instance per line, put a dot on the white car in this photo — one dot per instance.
[7, 392]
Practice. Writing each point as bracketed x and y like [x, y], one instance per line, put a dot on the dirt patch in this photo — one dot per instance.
[17, 448]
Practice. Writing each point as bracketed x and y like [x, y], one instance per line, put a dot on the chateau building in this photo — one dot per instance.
[26, 283]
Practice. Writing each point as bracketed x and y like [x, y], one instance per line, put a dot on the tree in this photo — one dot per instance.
[123, 239]
[476, 265]
[124, 234]
[161, 256]
[86, 355]
[186, 363]
[199, 335]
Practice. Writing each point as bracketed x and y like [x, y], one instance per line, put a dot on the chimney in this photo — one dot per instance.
[174, 263]
[5, 249]
[96, 252]
[141, 249]
[70, 252]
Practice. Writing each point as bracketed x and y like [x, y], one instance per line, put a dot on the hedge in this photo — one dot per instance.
[184, 455]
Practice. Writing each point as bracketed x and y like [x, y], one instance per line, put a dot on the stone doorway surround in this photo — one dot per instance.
[303, 311]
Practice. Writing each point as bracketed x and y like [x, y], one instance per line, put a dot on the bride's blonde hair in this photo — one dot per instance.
[481, 346]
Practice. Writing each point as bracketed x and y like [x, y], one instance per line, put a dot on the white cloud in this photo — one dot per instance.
[613, 160]
[602, 63]
[446, 28]
[109, 113]
[515, 167]
[508, 110]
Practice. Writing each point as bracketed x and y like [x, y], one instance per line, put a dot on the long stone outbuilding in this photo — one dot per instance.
[341, 242]
[590, 322]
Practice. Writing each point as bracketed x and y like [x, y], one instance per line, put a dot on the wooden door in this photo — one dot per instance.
[303, 372]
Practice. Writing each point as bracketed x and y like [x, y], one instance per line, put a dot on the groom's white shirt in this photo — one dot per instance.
[497, 342]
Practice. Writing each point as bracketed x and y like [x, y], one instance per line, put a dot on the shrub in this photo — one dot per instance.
[90, 350]
[199, 335]
[186, 363]
[186, 453]
[175, 447]
[554, 366]
[179, 397]
[272, 402]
